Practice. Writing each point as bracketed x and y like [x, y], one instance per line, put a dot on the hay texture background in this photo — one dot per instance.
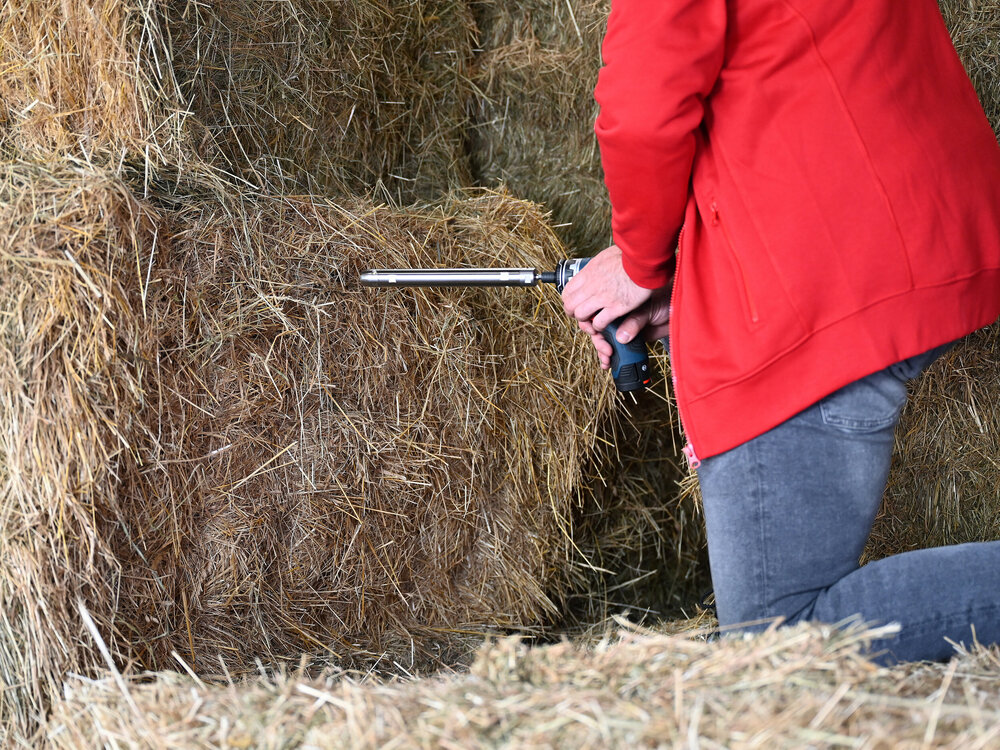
[305, 95]
[640, 530]
[801, 687]
[975, 31]
[223, 447]
[533, 111]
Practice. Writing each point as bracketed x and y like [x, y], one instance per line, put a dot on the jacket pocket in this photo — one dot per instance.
[749, 304]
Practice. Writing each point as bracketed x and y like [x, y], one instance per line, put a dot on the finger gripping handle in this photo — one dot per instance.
[629, 362]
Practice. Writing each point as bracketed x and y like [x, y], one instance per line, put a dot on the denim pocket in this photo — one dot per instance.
[867, 405]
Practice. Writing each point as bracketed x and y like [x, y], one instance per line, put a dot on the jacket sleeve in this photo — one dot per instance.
[661, 59]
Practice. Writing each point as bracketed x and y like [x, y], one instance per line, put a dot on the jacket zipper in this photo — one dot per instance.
[689, 451]
[748, 298]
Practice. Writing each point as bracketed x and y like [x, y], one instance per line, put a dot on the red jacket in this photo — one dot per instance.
[837, 182]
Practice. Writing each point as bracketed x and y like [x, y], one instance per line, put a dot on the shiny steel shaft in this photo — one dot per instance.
[452, 277]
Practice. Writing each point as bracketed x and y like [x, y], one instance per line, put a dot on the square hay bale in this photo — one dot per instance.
[534, 110]
[331, 93]
[224, 448]
[312, 94]
[794, 688]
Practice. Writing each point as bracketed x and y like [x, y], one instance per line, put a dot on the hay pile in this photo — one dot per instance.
[533, 112]
[306, 94]
[639, 529]
[225, 448]
[787, 689]
[227, 451]
[975, 30]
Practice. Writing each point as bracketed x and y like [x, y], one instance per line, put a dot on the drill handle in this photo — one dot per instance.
[629, 362]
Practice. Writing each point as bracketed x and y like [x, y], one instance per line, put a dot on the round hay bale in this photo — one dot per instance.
[305, 94]
[225, 449]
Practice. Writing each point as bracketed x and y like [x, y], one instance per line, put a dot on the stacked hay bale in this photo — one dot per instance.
[223, 448]
[331, 94]
[975, 30]
[803, 687]
[533, 112]
[218, 445]
[310, 94]
[639, 533]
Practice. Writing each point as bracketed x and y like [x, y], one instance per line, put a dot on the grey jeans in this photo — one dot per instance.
[788, 514]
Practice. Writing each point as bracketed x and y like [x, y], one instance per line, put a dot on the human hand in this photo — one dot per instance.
[652, 320]
[602, 292]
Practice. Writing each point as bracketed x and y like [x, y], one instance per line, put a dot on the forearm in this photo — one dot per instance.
[662, 58]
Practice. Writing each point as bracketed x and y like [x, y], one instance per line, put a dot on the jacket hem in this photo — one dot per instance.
[865, 342]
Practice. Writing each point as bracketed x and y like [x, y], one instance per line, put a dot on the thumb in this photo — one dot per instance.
[632, 325]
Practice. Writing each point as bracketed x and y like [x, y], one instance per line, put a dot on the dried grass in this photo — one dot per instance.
[944, 486]
[975, 30]
[640, 528]
[307, 94]
[225, 448]
[801, 687]
[333, 94]
[533, 113]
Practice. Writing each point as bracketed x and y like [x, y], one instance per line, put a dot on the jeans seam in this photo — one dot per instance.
[859, 425]
[758, 490]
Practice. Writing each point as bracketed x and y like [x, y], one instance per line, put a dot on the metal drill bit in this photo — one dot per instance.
[452, 277]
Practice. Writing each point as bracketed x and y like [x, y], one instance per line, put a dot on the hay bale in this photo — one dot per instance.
[306, 94]
[76, 73]
[332, 94]
[944, 487]
[975, 31]
[225, 448]
[640, 533]
[802, 687]
[534, 110]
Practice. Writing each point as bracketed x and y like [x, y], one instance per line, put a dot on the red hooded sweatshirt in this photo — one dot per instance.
[829, 179]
